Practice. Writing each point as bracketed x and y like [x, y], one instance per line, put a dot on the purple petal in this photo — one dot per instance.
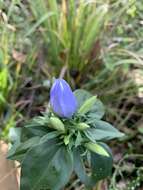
[62, 99]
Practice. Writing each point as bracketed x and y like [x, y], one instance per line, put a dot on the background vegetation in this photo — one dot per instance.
[95, 45]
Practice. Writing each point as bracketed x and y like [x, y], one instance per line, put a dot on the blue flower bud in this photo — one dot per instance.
[62, 99]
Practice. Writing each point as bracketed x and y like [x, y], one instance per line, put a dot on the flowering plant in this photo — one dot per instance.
[71, 133]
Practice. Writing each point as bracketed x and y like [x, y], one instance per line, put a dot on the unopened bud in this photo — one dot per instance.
[82, 126]
[94, 147]
[57, 124]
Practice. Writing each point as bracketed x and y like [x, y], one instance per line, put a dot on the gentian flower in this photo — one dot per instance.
[62, 99]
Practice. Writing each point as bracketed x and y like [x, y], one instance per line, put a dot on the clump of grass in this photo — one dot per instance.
[69, 29]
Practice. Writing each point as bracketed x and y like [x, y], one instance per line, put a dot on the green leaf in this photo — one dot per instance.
[101, 165]
[80, 169]
[81, 96]
[97, 148]
[3, 79]
[49, 136]
[15, 138]
[96, 111]
[38, 23]
[87, 105]
[52, 163]
[102, 130]
[15, 134]
[34, 129]
[78, 140]
[11, 152]
[140, 129]
[18, 151]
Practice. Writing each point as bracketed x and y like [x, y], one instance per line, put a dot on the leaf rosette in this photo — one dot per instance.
[51, 146]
